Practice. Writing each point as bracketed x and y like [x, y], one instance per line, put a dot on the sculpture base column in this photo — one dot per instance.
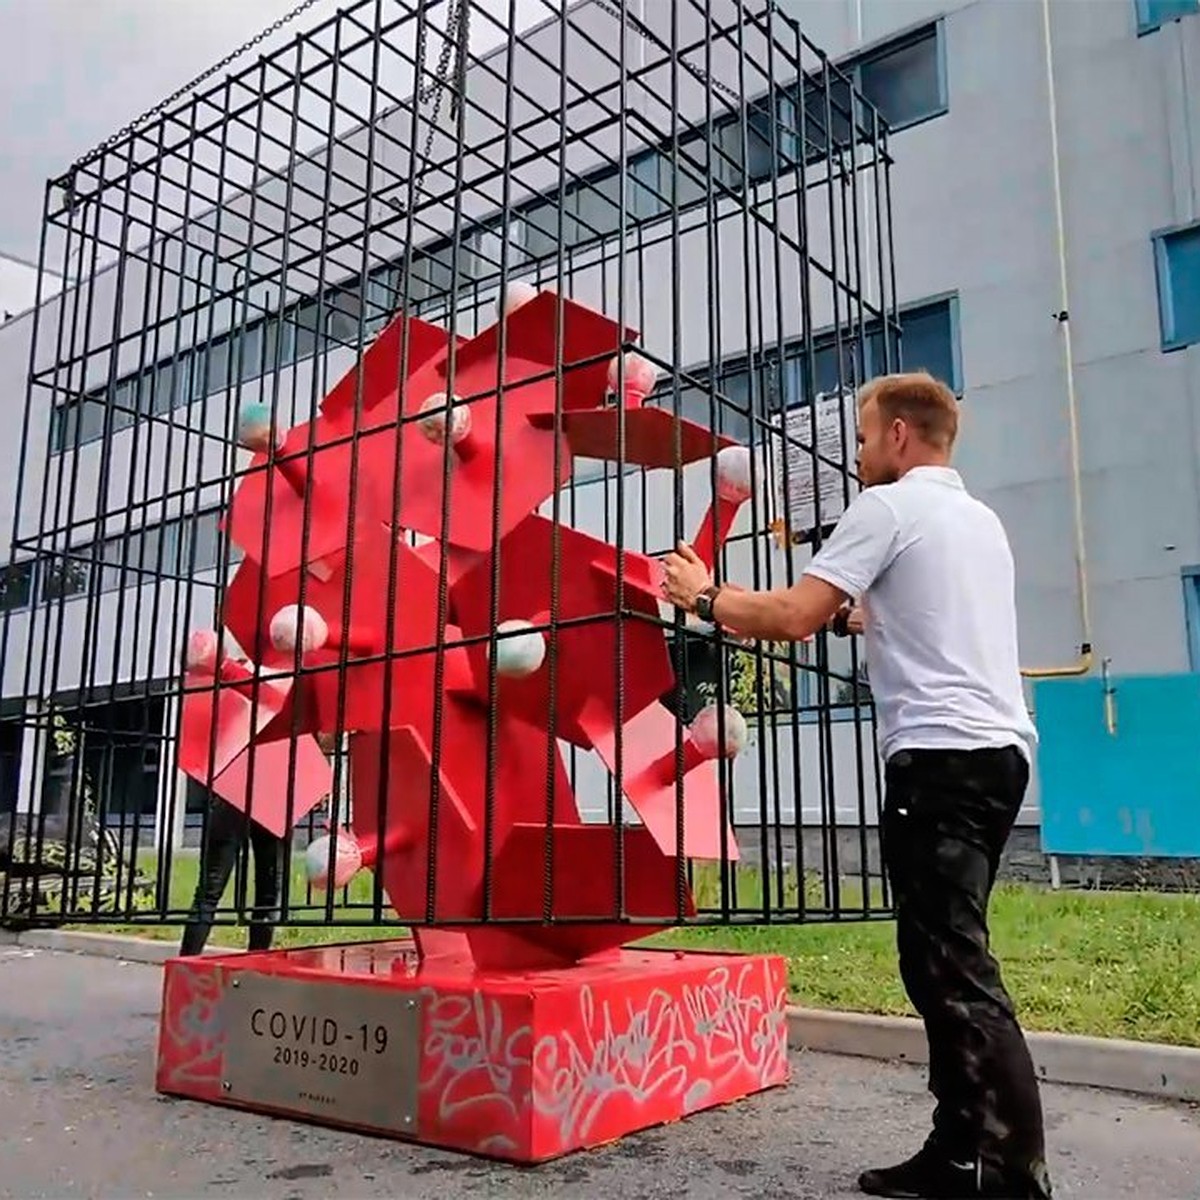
[518, 1065]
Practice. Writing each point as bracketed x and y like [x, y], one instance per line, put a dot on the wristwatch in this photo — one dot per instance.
[704, 603]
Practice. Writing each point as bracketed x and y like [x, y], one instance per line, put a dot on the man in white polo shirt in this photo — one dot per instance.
[931, 573]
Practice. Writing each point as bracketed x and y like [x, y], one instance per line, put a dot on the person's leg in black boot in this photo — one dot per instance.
[223, 838]
[947, 817]
[268, 885]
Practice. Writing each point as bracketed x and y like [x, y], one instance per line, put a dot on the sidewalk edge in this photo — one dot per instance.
[1143, 1068]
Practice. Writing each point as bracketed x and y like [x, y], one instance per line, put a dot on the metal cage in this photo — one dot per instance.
[624, 239]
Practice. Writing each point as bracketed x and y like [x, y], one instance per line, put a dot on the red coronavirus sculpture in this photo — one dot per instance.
[403, 585]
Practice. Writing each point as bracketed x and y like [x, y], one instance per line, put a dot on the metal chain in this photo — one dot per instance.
[455, 48]
[162, 105]
[648, 34]
[454, 45]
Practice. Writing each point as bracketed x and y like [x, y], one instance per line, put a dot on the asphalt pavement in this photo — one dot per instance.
[79, 1117]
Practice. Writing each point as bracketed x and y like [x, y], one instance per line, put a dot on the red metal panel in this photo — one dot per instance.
[650, 781]
[650, 439]
[586, 652]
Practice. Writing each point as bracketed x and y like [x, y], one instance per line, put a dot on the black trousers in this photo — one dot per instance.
[226, 835]
[947, 816]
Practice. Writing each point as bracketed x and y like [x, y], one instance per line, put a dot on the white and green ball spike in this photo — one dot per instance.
[256, 431]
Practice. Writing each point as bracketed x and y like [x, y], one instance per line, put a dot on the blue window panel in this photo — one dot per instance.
[1153, 13]
[929, 342]
[1177, 260]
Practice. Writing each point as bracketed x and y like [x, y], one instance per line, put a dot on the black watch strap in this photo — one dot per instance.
[704, 603]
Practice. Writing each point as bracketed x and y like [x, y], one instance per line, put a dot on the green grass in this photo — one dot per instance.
[1109, 964]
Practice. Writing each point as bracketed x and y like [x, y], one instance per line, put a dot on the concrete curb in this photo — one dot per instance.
[100, 945]
[1143, 1068]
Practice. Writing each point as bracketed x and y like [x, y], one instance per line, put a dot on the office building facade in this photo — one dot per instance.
[1044, 239]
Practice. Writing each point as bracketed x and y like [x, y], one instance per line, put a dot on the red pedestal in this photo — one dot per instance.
[517, 1065]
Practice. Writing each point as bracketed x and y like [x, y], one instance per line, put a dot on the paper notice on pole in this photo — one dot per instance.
[803, 476]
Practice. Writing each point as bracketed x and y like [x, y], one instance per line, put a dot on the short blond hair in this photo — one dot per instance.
[919, 400]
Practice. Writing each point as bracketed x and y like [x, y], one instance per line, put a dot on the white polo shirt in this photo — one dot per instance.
[932, 568]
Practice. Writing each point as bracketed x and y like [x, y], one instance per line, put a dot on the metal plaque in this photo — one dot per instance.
[340, 1051]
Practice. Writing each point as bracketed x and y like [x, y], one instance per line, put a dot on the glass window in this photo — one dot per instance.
[163, 384]
[837, 365]
[63, 423]
[252, 350]
[686, 178]
[205, 538]
[142, 390]
[786, 133]
[597, 208]
[834, 366]
[170, 560]
[927, 343]
[145, 552]
[197, 360]
[217, 367]
[124, 404]
[648, 195]
[904, 81]
[725, 410]
[539, 228]
[63, 577]
[306, 321]
[263, 344]
[185, 364]
[113, 551]
[1178, 260]
[825, 109]
[726, 161]
[91, 420]
[345, 306]
[734, 417]
[432, 272]
[381, 298]
[16, 586]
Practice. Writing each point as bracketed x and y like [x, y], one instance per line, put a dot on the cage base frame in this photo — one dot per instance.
[521, 1066]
